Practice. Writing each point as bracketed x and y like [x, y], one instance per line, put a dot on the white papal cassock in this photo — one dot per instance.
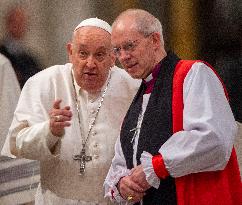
[60, 179]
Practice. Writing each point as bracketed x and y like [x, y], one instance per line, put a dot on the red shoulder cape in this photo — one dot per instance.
[205, 188]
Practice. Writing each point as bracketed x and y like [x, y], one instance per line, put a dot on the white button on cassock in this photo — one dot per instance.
[94, 133]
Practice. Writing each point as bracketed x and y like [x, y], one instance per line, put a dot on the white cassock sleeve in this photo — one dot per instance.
[117, 170]
[206, 142]
[29, 135]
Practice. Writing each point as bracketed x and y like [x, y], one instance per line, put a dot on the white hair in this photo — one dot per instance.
[146, 23]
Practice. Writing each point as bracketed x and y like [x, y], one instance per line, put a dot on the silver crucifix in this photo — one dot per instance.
[83, 158]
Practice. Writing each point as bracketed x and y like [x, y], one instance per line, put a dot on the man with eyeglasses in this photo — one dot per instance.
[69, 116]
[176, 141]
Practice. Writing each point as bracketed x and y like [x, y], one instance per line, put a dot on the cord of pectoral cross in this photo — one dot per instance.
[84, 141]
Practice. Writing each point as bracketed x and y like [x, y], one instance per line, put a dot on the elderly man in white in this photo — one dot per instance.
[68, 118]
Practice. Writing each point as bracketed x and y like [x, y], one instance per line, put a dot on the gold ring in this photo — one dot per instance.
[130, 198]
[57, 118]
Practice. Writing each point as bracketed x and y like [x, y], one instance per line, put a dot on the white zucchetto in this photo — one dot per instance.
[96, 22]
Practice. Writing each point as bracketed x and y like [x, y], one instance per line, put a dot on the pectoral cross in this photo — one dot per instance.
[83, 158]
[135, 134]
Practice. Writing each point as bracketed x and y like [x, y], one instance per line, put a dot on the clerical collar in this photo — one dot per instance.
[150, 80]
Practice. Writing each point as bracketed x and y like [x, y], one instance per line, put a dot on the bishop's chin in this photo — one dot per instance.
[133, 72]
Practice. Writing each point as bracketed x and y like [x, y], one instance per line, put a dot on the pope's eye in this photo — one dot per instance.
[83, 54]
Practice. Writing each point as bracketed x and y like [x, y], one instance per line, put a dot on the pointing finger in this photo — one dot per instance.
[56, 104]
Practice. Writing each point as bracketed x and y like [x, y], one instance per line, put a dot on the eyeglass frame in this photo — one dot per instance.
[129, 46]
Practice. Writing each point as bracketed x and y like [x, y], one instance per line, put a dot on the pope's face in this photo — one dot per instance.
[134, 51]
[91, 56]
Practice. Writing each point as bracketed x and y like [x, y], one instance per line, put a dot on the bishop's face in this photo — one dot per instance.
[91, 56]
[134, 51]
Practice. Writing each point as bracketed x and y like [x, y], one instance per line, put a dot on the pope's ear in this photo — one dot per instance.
[69, 50]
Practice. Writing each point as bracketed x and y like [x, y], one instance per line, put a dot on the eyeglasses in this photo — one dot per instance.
[127, 47]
